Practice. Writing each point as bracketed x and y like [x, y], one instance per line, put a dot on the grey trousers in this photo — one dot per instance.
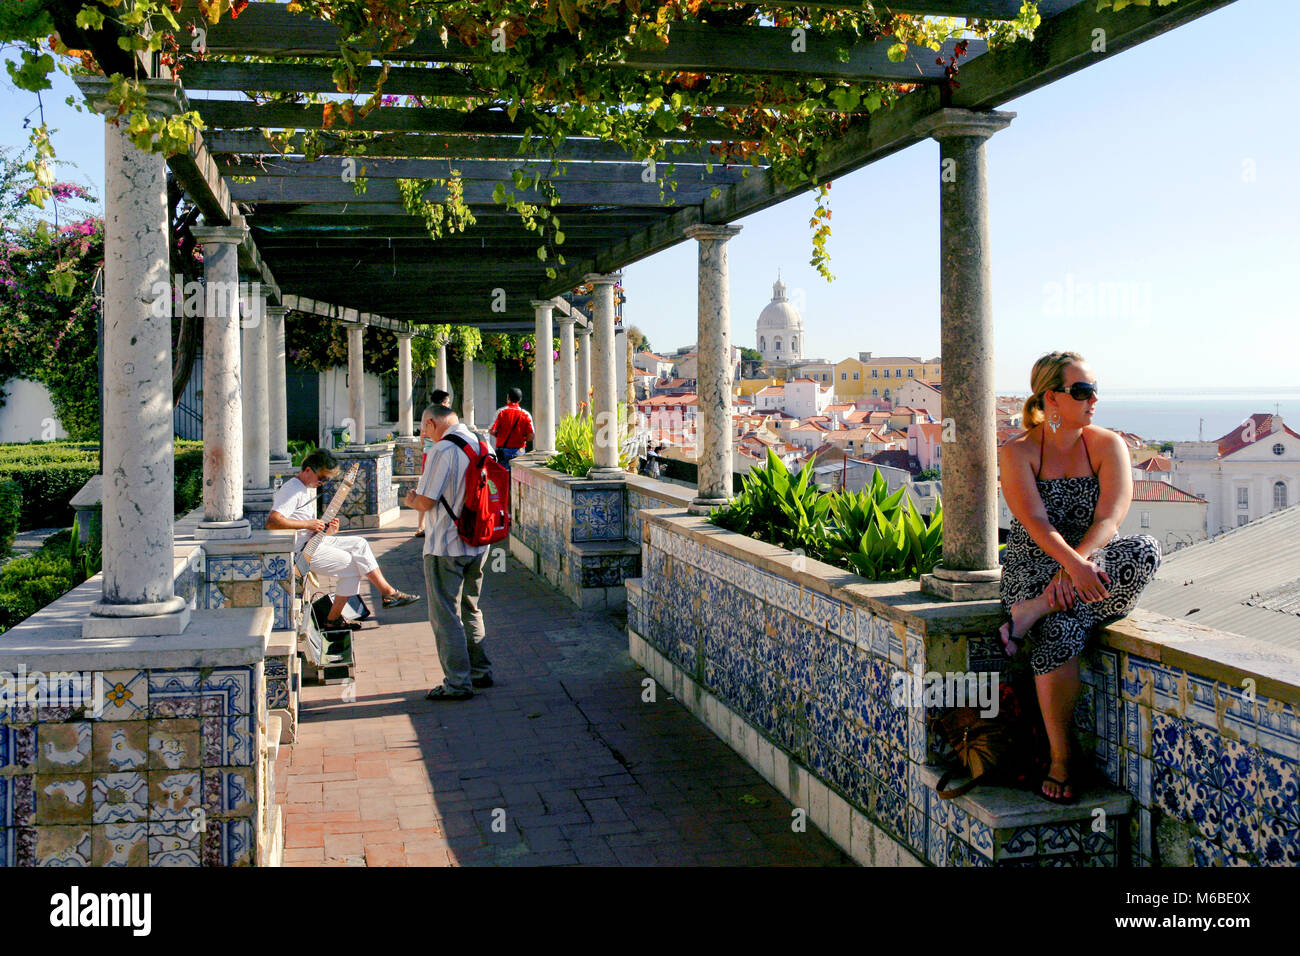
[453, 586]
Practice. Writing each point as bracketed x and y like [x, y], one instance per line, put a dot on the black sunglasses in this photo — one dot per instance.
[1080, 391]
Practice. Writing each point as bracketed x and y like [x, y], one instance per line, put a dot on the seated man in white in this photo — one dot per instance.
[347, 558]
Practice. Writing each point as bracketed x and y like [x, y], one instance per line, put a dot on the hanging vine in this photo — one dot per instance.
[554, 68]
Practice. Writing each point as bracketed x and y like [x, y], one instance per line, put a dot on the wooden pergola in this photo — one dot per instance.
[313, 235]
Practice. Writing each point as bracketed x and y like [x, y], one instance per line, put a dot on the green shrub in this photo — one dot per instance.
[29, 584]
[872, 532]
[299, 450]
[50, 473]
[11, 513]
[575, 443]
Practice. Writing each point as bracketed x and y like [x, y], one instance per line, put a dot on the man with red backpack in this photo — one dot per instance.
[512, 429]
[464, 493]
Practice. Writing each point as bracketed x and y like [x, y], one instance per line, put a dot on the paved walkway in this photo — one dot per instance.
[559, 763]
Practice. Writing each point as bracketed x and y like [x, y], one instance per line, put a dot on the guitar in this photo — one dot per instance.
[303, 557]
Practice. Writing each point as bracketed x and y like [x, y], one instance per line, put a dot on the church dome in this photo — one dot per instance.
[779, 313]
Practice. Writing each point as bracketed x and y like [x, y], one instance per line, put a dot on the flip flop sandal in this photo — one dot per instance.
[1062, 799]
[1013, 639]
[400, 599]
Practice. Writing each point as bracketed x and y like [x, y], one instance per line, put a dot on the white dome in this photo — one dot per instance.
[779, 313]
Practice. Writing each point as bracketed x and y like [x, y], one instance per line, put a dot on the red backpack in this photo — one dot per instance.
[485, 516]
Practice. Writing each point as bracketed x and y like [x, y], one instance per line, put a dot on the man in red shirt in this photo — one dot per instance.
[512, 429]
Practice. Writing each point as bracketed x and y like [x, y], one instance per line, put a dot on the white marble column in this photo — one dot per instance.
[543, 378]
[405, 408]
[713, 369]
[605, 403]
[254, 342]
[567, 404]
[467, 393]
[223, 403]
[139, 464]
[441, 379]
[357, 384]
[277, 382]
[969, 569]
[584, 366]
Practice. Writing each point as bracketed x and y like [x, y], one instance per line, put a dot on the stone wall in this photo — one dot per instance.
[791, 661]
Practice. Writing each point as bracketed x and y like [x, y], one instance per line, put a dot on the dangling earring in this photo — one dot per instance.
[1054, 422]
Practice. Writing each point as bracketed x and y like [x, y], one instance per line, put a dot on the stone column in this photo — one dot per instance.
[223, 403]
[442, 380]
[583, 396]
[357, 384]
[568, 394]
[277, 382]
[604, 401]
[713, 369]
[543, 378]
[467, 393]
[257, 413]
[405, 410]
[969, 569]
[139, 461]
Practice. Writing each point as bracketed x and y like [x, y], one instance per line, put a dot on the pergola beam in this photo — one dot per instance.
[268, 30]
[493, 171]
[399, 145]
[380, 192]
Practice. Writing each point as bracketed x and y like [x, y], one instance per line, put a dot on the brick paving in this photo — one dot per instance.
[561, 763]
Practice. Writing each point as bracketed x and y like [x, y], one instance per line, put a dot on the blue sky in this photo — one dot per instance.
[1166, 172]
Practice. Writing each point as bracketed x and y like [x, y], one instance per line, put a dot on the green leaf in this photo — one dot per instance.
[499, 193]
[897, 53]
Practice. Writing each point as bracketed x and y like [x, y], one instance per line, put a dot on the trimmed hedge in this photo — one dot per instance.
[11, 514]
[50, 473]
[29, 584]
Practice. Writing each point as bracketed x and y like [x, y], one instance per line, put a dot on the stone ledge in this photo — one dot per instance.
[213, 639]
[1005, 808]
[1220, 655]
[260, 542]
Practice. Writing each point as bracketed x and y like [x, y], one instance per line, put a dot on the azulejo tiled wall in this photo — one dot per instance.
[584, 535]
[1201, 751]
[811, 672]
[373, 495]
[171, 773]
[259, 578]
[406, 456]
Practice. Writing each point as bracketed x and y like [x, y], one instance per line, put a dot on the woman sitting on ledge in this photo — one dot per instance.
[1065, 572]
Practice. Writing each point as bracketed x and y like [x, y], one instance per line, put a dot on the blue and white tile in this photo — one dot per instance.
[126, 695]
[234, 687]
[1201, 807]
[1168, 744]
[980, 837]
[1277, 793]
[120, 797]
[1278, 730]
[1058, 838]
[173, 843]
[1020, 844]
[1277, 842]
[1138, 777]
[276, 567]
[174, 693]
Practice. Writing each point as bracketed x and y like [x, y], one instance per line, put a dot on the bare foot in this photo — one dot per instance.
[1057, 773]
[1022, 619]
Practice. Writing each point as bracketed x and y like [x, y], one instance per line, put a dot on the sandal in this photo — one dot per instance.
[339, 624]
[1010, 645]
[442, 693]
[1063, 800]
[400, 599]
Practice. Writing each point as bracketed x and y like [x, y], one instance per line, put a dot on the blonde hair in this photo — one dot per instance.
[1048, 374]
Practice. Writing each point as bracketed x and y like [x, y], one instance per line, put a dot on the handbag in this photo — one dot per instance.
[1006, 748]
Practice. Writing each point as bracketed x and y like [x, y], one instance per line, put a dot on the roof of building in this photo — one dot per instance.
[687, 399]
[1264, 426]
[896, 458]
[1144, 490]
[1155, 463]
[809, 423]
[1243, 581]
[931, 432]
[921, 381]
[780, 313]
[771, 390]
[841, 407]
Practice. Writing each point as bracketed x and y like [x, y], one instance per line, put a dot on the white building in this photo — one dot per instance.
[1251, 471]
[922, 395]
[1172, 516]
[805, 398]
[770, 398]
[780, 328]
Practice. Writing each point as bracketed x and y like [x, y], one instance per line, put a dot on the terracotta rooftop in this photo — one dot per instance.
[1162, 491]
[1233, 441]
[1156, 463]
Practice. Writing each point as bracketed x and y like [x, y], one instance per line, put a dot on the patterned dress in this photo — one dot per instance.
[1129, 560]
